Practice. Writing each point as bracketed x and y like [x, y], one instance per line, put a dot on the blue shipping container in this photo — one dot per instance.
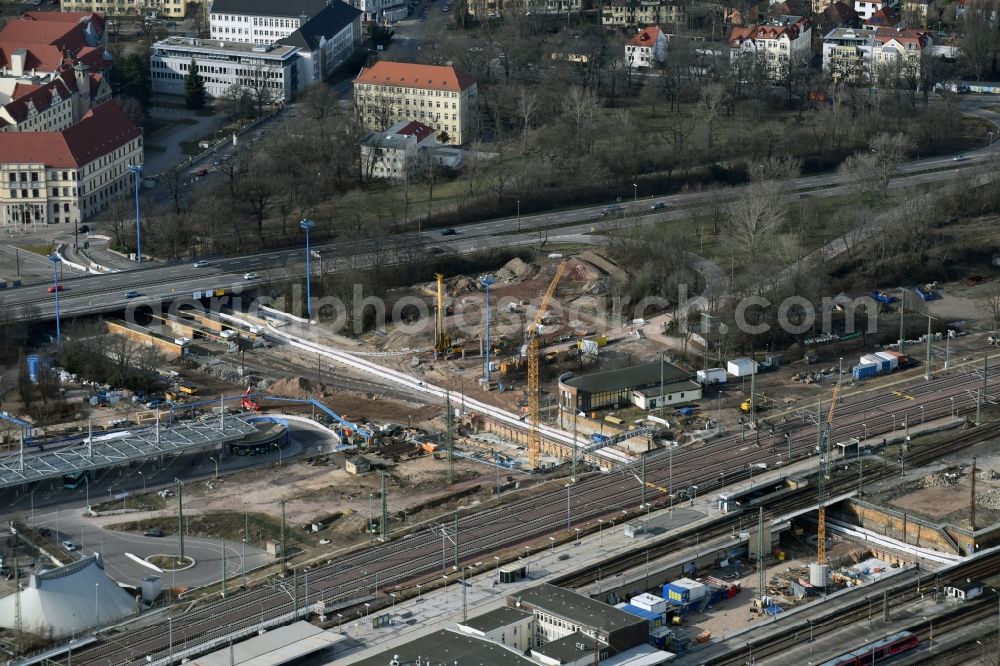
[676, 594]
[865, 370]
[34, 365]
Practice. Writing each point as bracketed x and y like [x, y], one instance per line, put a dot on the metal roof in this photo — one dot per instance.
[138, 445]
[634, 377]
[278, 646]
[496, 618]
[449, 647]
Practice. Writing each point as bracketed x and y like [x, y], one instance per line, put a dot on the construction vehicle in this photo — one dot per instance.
[994, 340]
[248, 404]
[534, 440]
[188, 389]
[763, 402]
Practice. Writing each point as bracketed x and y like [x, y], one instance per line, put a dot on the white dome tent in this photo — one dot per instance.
[68, 600]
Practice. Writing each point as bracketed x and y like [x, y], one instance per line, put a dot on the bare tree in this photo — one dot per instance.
[527, 104]
[711, 104]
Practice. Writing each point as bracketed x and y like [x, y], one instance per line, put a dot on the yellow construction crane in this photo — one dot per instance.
[821, 483]
[442, 341]
[534, 441]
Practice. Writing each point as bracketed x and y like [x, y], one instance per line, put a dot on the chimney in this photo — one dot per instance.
[18, 59]
[303, 19]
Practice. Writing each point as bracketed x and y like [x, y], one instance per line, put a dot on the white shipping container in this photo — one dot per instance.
[893, 361]
[712, 376]
[741, 367]
[649, 602]
[872, 358]
[695, 589]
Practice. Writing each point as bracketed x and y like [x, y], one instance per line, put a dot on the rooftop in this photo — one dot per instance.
[568, 648]
[636, 376]
[449, 647]
[406, 75]
[574, 607]
[673, 387]
[645, 37]
[222, 46]
[277, 646]
[285, 8]
[326, 24]
[495, 619]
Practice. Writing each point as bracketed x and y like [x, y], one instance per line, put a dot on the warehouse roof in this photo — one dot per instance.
[449, 647]
[636, 376]
[574, 607]
[674, 387]
[277, 646]
[495, 619]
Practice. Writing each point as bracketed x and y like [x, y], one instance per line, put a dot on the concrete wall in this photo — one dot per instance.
[901, 526]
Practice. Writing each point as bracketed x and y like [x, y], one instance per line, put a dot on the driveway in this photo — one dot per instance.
[169, 139]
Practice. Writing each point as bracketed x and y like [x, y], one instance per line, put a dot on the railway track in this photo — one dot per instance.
[361, 574]
[898, 593]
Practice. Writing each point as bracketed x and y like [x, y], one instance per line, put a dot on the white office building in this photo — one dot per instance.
[270, 71]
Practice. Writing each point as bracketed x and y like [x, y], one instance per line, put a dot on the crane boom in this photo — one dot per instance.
[534, 441]
[821, 482]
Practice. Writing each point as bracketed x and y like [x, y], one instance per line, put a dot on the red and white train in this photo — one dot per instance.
[872, 653]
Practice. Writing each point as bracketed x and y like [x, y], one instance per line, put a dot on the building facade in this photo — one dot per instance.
[859, 56]
[776, 45]
[68, 176]
[260, 21]
[491, 9]
[440, 97]
[646, 48]
[865, 8]
[847, 55]
[267, 72]
[638, 13]
[166, 8]
[326, 41]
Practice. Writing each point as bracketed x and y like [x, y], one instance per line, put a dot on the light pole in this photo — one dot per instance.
[212, 458]
[55, 290]
[518, 216]
[600, 532]
[307, 226]
[97, 606]
[139, 472]
[488, 281]
[392, 611]
[568, 516]
[170, 632]
[991, 142]
[577, 534]
[635, 193]
[136, 170]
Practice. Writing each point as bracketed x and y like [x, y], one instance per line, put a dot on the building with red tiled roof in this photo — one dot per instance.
[842, 15]
[887, 17]
[67, 176]
[52, 106]
[40, 43]
[439, 96]
[775, 45]
[404, 148]
[646, 47]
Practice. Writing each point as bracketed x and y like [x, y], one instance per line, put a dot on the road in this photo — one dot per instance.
[156, 283]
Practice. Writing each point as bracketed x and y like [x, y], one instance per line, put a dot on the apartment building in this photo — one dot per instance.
[67, 176]
[775, 44]
[164, 8]
[638, 13]
[270, 72]
[439, 96]
[52, 106]
[865, 8]
[260, 21]
[491, 9]
[646, 48]
[855, 56]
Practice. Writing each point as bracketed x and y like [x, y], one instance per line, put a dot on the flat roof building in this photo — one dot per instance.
[449, 647]
[614, 388]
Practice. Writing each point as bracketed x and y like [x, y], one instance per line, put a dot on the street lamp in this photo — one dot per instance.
[600, 532]
[635, 193]
[136, 170]
[518, 216]
[307, 226]
[392, 611]
[212, 458]
[568, 514]
[577, 534]
[54, 258]
[139, 472]
[991, 142]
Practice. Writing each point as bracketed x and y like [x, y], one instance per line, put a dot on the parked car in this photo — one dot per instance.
[69, 546]
[54, 288]
[84, 228]
[201, 263]
[154, 532]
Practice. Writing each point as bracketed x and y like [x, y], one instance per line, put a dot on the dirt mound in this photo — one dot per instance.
[519, 268]
[294, 387]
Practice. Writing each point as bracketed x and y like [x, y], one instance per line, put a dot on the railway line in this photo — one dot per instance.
[899, 592]
[359, 575]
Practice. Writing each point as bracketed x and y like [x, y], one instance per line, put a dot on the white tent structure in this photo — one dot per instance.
[68, 600]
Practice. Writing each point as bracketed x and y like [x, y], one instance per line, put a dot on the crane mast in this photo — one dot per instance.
[534, 440]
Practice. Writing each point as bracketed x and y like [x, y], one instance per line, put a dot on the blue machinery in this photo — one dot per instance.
[316, 404]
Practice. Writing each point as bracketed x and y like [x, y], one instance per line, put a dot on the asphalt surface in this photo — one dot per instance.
[157, 283]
